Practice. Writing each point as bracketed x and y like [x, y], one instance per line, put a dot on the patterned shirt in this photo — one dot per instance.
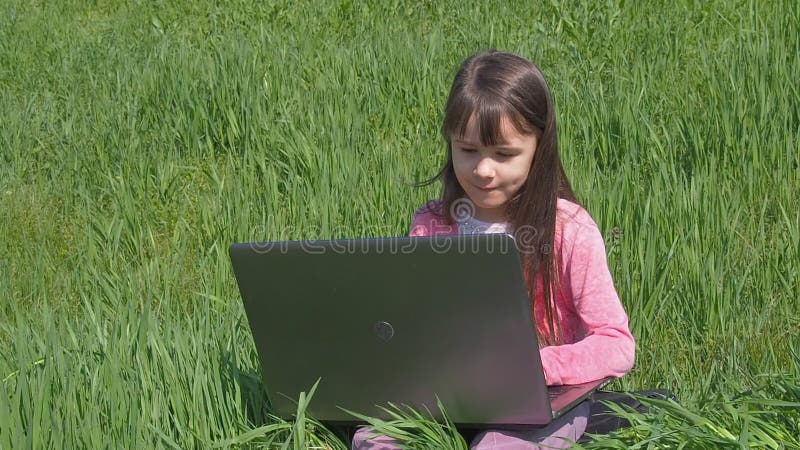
[597, 340]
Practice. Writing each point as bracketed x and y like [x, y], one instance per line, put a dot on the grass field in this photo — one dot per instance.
[139, 139]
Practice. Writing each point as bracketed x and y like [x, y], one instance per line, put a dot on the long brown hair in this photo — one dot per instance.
[488, 87]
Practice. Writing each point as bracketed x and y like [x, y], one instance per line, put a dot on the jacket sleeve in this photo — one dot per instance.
[418, 225]
[425, 222]
[607, 348]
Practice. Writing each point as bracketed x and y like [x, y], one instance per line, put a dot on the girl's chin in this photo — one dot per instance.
[491, 206]
[488, 200]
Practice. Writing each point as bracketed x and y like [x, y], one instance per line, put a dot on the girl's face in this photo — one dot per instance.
[491, 176]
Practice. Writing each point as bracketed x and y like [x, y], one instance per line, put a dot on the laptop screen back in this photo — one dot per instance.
[402, 320]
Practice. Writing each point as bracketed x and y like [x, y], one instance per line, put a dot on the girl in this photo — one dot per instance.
[503, 174]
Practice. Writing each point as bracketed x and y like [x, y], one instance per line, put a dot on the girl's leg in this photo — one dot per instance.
[560, 433]
[366, 439]
[570, 426]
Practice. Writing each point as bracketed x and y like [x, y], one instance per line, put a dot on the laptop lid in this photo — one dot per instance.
[404, 320]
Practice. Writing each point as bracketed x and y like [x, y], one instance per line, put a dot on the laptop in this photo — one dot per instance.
[406, 320]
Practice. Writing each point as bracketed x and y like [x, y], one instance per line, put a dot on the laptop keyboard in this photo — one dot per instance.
[555, 391]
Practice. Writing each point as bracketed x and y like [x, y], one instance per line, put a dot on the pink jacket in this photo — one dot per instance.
[597, 340]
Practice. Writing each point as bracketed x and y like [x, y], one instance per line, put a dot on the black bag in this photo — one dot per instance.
[602, 419]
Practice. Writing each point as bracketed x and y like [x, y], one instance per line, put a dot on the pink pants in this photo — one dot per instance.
[560, 433]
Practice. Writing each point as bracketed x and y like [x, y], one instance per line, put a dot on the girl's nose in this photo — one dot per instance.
[484, 169]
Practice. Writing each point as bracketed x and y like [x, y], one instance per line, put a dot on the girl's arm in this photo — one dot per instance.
[607, 348]
[426, 223]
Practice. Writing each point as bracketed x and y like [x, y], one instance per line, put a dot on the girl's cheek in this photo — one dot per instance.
[461, 166]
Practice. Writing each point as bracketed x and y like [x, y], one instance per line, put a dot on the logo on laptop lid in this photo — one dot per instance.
[384, 330]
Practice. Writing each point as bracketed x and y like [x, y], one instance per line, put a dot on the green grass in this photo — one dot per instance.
[138, 139]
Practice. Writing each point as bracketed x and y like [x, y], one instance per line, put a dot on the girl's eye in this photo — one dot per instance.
[504, 155]
[468, 150]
